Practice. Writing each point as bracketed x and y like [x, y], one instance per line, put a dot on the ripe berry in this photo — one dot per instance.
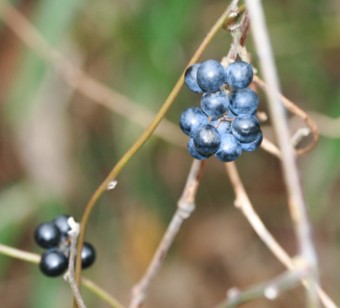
[193, 152]
[53, 263]
[252, 146]
[245, 128]
[191, 119]
[244, 101]
[210, 76]
[190, 78]
[230, 148]
[239, 74]
[47, 235]
[207, 140]
[215, 104]
[88, 255]
[62, 224]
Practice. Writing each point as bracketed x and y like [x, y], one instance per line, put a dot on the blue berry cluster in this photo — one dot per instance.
[53, 236]
[225, 125]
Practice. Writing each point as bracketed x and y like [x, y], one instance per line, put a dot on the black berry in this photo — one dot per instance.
[62, 224]
[53, 263]
[88, 255]
[47, 235]
[207, 140]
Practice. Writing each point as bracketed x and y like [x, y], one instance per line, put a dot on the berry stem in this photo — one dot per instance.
[69, 275]
[147, 133]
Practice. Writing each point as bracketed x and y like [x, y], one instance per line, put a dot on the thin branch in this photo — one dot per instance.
[186, 205]
[104, 295]
[243, 203]
[69, 275]
[35, 258]
[297, 206]
[271, 148]
[82, 82]
[19, 254]
[269, 289]
[145, 136]
[294, 109]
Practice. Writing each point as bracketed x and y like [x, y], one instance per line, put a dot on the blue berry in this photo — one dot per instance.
[193, 152]
[191, 119]
[190, 78]
[245, 128]
[47, 235]
[229, 150]
[244, 101]
[210, 76]
[239, 74]
[214, 105]
[62, 224]
[88, 255]
[252, 146]
[207, 140]
[53, 263]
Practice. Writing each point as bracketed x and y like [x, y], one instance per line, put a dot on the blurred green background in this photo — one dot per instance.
[56, 146]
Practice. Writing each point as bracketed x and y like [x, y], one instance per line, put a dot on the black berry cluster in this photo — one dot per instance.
[53, 236]
[226, 124]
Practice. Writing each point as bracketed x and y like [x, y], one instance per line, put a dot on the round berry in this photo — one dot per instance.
[239, 74]
[47, 235]
[191, 119]
[244, 101]
[190, 78]
[193, 152]
[210, 76]
[88, 255]
[245, 128]
[62, 224]
[229, 150]
[207, 140]
[53, 263]
[215, 105]
[252, 146]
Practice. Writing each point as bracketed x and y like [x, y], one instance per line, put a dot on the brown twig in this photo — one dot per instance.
[69, 275]
[268, 289]
[243, 203]
[294, 109]
[186, 205]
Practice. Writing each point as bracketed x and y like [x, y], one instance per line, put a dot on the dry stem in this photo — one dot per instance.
[269, 289]
[297, 206]
[294, 109]
[185, 206]
[243, 203]
[69, 275]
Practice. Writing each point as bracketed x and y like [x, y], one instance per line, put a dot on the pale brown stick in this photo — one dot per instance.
[297, 205]
[293, 108]
[186, 205]
[243, 203]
